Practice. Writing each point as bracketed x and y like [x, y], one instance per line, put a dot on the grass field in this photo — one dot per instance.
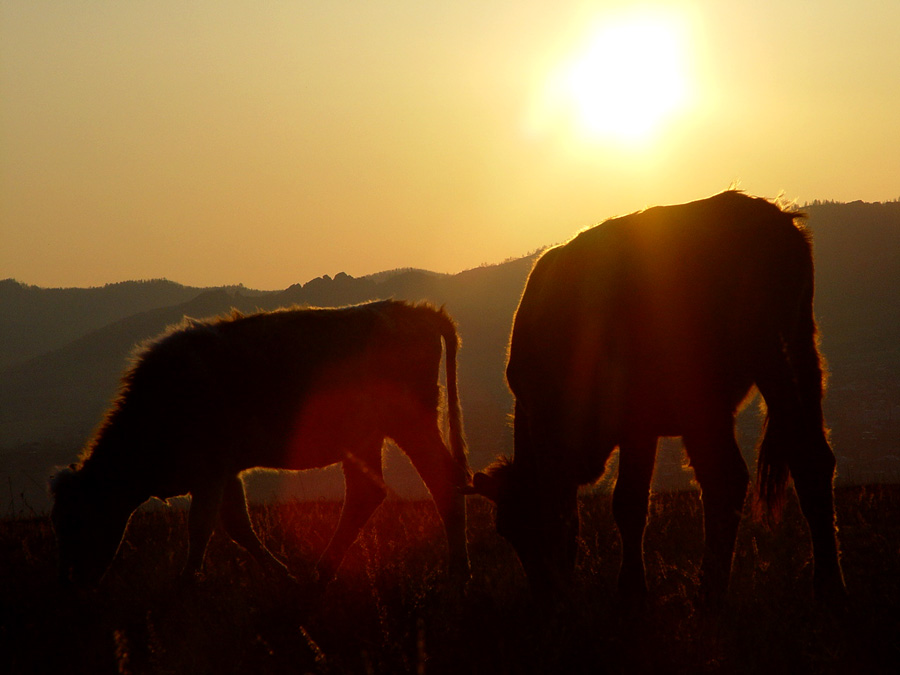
[391, 609]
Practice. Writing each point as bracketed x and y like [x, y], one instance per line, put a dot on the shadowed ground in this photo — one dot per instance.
[392, 610]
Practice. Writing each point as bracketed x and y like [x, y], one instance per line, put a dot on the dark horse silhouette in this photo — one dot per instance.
[659, 324]
[293, 389]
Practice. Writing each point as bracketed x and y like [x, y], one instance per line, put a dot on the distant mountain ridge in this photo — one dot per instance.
[62, 350]
[50, 403]
[36, 320]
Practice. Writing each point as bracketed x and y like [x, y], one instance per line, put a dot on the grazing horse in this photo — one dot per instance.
[659, 324]
[291, 389]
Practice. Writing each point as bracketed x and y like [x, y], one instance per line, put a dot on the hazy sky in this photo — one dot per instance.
[267, 143]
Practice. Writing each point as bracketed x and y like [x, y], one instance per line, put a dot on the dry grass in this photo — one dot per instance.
[392, 610]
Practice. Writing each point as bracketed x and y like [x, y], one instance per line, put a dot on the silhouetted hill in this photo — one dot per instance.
[55, 400]
[36, 320]
[857, 250]
[51, 402]
[55, 395]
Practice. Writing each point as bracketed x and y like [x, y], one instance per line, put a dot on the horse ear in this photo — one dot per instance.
[483, 484]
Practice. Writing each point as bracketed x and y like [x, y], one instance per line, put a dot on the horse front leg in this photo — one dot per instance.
[722, 473]
[630, 501]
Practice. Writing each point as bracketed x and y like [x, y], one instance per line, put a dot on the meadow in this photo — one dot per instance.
[393, 610]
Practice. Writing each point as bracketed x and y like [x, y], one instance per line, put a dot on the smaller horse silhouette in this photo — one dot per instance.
[293, 389]
[659, 324]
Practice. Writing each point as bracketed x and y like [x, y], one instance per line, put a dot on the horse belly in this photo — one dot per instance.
[332, 425]
[671, 407]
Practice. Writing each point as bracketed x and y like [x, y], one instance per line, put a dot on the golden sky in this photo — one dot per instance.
[267, 143]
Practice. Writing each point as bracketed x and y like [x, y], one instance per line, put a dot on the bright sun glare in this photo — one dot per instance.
[623, 83]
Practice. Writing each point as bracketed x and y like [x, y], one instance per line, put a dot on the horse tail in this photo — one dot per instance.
[772, 468]
[457, 439]
[792, 382]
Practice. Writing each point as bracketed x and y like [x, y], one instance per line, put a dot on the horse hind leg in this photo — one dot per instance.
[444, 478]
[235, 520]
[796, 435]
[812, 468]
[631, 497]
[364, 492]
[723, 477]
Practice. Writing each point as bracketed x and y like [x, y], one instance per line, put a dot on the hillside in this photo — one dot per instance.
[37, 320]
[50, 404]
[66, 347]
[857, 249]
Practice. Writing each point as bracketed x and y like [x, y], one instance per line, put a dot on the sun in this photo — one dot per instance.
[629, 79]
[624, 81]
